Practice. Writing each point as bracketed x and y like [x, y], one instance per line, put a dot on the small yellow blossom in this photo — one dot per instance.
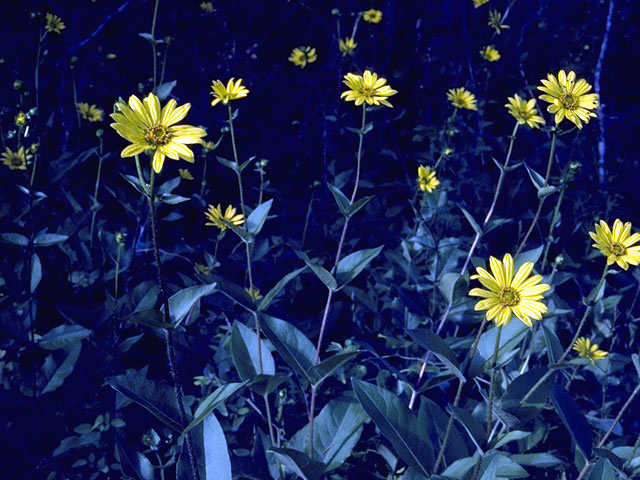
[589, 350]
[569, 99]
[233, 91]
[21, 119]
[490, 53]
[496, 21]
[300, 56]
[479, 3]
[254, 294]
[185, 174]
[90, 112]
[427, 180]
[367, 87]
[617, 244]
[507, 294]
[207, 7]
[347, 46]
[462, 98]
[15, 160]
[203, 269]
[54, 23]
[151, 128]
[215, 217]
[372, 16]
[524, 111]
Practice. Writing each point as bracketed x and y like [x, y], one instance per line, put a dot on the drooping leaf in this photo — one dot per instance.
[300, 463]
[36, 272]
[321, 272]
[293, 345]
[476, 227]
[602, 470]
[69, 443]
[573, 418]
[538, 460]
[433, 343]
[211, 452]
[554, 349]
[452, 285]
[351, 265]
[212, 401]
[256, 219]
[14, 239]
[63, 336]
[271, 294]
[469, 424]
[49, 239]
[318, 373]
[181, 303]
[56, 374]
[519, 387]
[341, 200]
[244, 350]
[135, 463]
[532, 256]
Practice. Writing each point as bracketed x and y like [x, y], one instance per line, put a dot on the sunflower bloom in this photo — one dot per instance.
[589, 350]
[462, 98]
[185, 174]
[300, 56]
[524, 111]
[54, 23]
[15, 160]
[479, 3]
[207, 7]
[347, 46]
[569, 99]
[507, 294]
[151, 128]
[617, 245]
[372, 16]
[367, 88]
[233, 91]
[254, 293]
[90, 113]
[496, 21]
[217, 219]
[427, 181]
[490, 53]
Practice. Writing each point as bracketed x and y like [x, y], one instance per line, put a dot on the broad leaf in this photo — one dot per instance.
[14, 239]
[212, 401]
[271, 295]
[211, 452]
[48, 239]
[573, 418]
[519, 387]
[256, 219]
[433, 343]
[351, 265]
[293, 345]
[299, 463]
[63, 336]
[181, 303]
[321, 272]
[244, 350]
[325, 368]
[56, 374]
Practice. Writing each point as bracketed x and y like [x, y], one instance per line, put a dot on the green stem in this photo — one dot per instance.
[96, 204]
[115, 286]
[494, 364]
[153, 45]
[555, 216]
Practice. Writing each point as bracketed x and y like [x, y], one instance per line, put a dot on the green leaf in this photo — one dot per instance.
[429, 414]
[293, 345]
[519, 387]
[256, 219]
[536, 178]
[476, 228]
[501, 466]
[247, 162]
[538, 460]
[164, 89]
[453, 285]
[322, 273]
[322, 370]
[573, 418]
[213, 401]
[554, 348]
[56, 374]
[532, 256]
[245, 236]
[351, 265]
[509, 437]
[603, 470]
[266, 384]
[158, 398]
[171, 199]
[336, 431]
[356, 206]
[14, 239]
[49, 239]
[229, 164]
[342, 201]
[299, 463]
[135, 183]
[151, 317]
[138, 464]
[271, 295]
[69, 443]
[63, 336]
[546, 191]
[470, 425]
[244, 350]
[181, 303]
[460, 468]
[433, 343]
[211, 452]
[397, 423]
[36, 272]
[512, 334]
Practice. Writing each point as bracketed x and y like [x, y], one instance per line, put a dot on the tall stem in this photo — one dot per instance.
[555, 216]
[171, 354]
[327, 306]
[96, 204]
[153, 45]
[552, 152]
[494, 365]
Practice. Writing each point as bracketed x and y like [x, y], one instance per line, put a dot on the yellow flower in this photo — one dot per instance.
[90, 112]
[617, 245]
[233, 91]
[300, 56]
[569, 99]
[54, 23]
[21, 119]
[462, 98]
[490, 53]
[185, 173]
[15, 160]
[347, 46]
[254, 293]
[207, 7]
[150, 128]
[508, 294]
[589, 350]
[427, 181]
[495, 21]
[367, 88]
[215, 217]
[372, 16]
[524, 111]
[204, 269]
[479, 3]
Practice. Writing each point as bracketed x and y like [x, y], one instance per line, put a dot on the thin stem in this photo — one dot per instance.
[552, 152]
[153, 45]
[37, 72]
[554, 221]
[491, 385]
[96, 204]
[115, 286]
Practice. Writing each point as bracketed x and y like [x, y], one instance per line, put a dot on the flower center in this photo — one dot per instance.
[617, 249]
[509, 297]
[568, 101]
[16, 161]
[157, 135]
[367, 91]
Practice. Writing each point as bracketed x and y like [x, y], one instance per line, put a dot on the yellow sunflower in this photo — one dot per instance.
[54, 23]
[185, 174]
[490, 53]
[427, 180]
[347, 46]
[254, 293]
[524, 111]
[151, 128]
[215, 217]
[462, 98]
[508, 294]
[367, 88]
[589, 350]
[569, 99]
[15, 160]
[90, 112]
[372, 16]
[617, 245]
[233, 91]
[301, 56]
[479, 3]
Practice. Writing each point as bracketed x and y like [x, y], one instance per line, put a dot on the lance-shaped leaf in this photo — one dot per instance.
[256, 219]
[271, 294]
[342, 201]
[36, 272]
[476, 227]
[397, 424]
[63, 336]
[293, 345]
[212, 401]
[532, 256]
[14, 239]
[351, 265]
[321, 272]
[56, 374]
[519, 387]
[211, 452]
[181, 303]
[48, 239]
[358, 205]
[573, 418]
[433, 343]
[244, 350]
[300, 463]
[325, 368]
